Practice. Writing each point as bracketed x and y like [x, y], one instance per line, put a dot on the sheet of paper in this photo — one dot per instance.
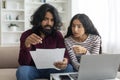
[45, 58]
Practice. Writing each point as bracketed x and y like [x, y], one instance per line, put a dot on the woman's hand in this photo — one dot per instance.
[79, 49]
[61, 64]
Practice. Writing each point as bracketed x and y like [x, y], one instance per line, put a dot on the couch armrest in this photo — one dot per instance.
[9, 57]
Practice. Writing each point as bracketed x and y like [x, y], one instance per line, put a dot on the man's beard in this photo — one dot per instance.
[47, 30]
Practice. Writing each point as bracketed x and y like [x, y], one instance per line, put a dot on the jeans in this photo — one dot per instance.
[31, 73]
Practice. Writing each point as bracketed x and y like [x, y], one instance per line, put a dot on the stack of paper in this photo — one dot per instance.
[45, 58]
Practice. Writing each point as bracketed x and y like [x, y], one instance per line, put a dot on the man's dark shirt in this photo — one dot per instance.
[49, 42]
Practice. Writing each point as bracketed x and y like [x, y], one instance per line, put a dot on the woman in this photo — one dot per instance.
[82, 38]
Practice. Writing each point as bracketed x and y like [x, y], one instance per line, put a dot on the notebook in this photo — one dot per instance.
[98, 67]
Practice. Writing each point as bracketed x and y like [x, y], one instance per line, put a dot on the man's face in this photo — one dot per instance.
[47, 23]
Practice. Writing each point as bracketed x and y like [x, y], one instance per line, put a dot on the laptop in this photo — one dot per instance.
[98, 67]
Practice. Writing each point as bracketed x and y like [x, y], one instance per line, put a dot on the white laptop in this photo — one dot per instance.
[98, 67]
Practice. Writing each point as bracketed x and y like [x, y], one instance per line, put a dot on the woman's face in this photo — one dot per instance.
[77, 28]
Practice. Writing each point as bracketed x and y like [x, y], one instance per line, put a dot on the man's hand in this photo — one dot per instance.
[79, 49]
[61, 64]
[32, 39]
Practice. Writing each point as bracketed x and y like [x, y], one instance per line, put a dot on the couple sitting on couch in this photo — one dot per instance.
[81, 38]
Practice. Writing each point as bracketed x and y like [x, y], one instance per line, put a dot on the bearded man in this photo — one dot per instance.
[43, 35]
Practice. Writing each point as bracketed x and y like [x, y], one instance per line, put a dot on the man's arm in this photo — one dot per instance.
[26, 41]
[61, 44]
[24, 54]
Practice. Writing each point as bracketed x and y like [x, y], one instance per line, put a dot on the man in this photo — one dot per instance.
[44, 35]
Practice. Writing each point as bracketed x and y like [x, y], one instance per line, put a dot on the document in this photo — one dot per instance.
[45, 58]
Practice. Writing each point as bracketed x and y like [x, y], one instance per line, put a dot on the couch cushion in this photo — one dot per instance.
[10, 74]
[9, 57]
[7, 74]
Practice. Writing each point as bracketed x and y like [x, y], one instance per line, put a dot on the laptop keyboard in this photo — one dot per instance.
[74, 76]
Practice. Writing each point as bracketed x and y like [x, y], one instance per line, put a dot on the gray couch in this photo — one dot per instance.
[9, 62]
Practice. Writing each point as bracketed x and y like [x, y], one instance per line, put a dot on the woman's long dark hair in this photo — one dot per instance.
[39, 15]
[87, 24]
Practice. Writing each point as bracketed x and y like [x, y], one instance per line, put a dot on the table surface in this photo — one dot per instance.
[56, 76]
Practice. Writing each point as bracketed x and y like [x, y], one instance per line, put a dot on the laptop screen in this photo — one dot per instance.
[98, 67]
